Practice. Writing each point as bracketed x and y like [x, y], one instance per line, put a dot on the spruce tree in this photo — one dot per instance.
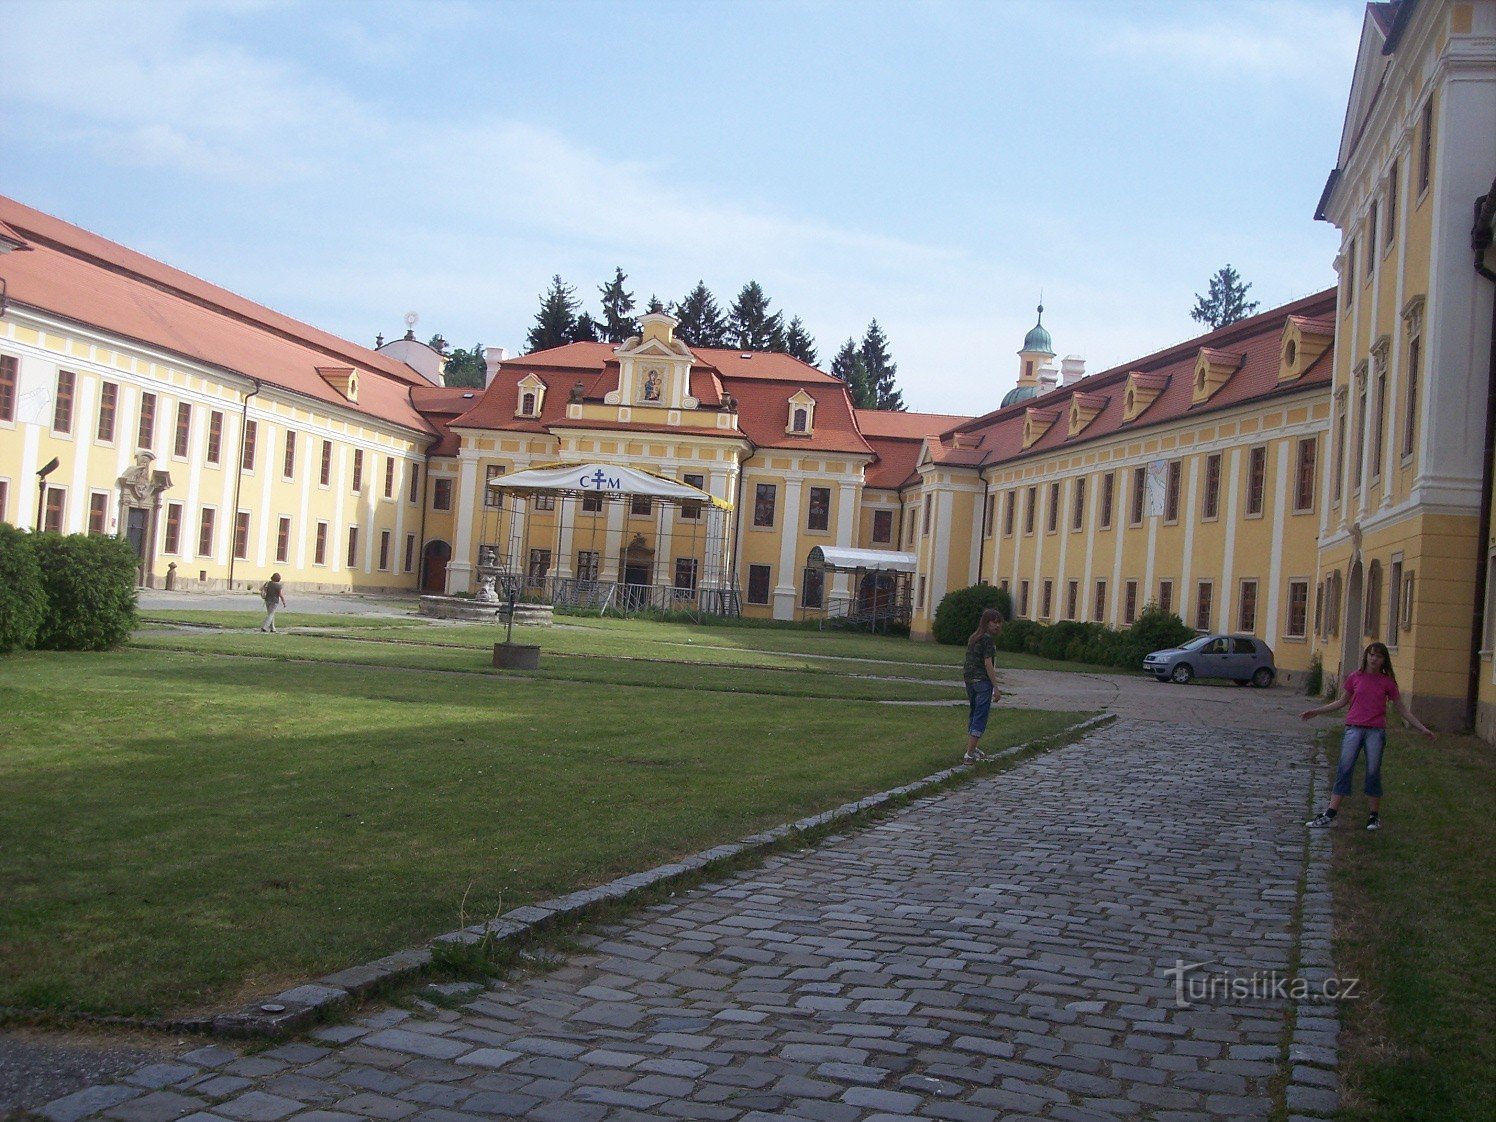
[618, 304]
[585, 330]
[556, 322]
[466, 369]
[655, 304]
[850, 368]
[1226, 302]
[880, 370]
[701, 322]
[799, 344]
[750, 326]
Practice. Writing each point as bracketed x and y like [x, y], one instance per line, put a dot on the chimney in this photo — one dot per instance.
[492, 356]
[1072, 369]
[1049, 374]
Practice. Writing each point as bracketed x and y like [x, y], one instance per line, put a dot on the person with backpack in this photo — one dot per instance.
[274, 595]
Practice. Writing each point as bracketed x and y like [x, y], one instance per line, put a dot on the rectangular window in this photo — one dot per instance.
[251, 436]
[765, 495]
[926, 530]
[54, 508]
[988, 516]
[548, 502]
[441, 494]
[182, 442]
[1054, 508]
[1256, 479]
[587, 564]
[319, 551]
[1166, 596]
[410, 553]
[493, 498]
[145, 432]
[389, 477]
[1023, 598]
[1010, 503]
[1246, 615]
[539, 566]
[358, 470]
[1098, 606]
[813, 589]
[1078, 504]
[592, 502]
[288, 461]
[1394, 602]
[1108, 499]
[1072, 598]
[8, 373]
[283, 540]
[685, 573]
[691, 510]
[1028, 514]
[1338, 482]
[820, 509]
[1171, 494]
[1303, 484]
[758, 584]
[1210, 504]
[324, 472]
[1204, 597]
[384, 551]
[1298, 609]
[173, 528]
[1139, 492]
[352, 547]
[1350, 274]
[920, 603]
[640, 506]
[882, 526]
[205, 532]
[241, 535]
[1046, 604]
[98, 513]
[1358, 453]
[215, 437]
[1130, 602]
[62, 405]
[1391, 220]
[1379, 424]
[108, 406]
[4, 499]
[1425, 147]
[1410, 421]
[1373, 228]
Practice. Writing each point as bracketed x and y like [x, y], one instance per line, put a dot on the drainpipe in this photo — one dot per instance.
[239, 477]
[1480, 242]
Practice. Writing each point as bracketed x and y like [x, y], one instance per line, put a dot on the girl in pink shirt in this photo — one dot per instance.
[1367, 692]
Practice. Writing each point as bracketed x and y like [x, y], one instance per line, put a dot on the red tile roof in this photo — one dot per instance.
[1257, 338]
[79, 276]
[896, 438]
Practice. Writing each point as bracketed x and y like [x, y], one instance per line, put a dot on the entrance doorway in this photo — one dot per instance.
[1350, 644]
[137, 533]
[434, 566]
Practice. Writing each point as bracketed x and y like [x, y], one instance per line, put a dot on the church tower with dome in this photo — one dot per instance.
[1037, 353]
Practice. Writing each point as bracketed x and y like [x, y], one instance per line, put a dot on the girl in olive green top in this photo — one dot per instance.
[981, 680]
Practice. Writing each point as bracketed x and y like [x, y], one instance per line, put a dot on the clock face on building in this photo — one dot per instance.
[653, 384]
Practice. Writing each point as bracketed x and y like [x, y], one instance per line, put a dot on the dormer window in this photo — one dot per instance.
[531, 397]
[802, 411]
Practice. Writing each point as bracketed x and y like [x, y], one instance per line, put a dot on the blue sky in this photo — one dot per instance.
[931, 164]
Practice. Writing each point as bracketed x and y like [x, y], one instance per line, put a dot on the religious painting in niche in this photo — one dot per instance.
[652, 385]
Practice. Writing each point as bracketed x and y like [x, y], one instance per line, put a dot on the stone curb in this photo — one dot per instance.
[298, 1008]
[1313, 1055]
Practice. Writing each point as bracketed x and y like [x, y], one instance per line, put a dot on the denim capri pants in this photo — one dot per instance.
[1356, 738]
[979, 695]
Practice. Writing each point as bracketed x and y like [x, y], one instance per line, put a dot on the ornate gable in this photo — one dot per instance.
[654, 369]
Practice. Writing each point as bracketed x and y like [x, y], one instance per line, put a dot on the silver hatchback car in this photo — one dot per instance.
[1241, 658]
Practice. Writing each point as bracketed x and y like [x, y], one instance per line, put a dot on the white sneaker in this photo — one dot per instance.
[1321, 822]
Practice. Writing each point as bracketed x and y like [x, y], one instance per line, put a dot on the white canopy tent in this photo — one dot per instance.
[883, 578]
[597, 478]
[837, 560]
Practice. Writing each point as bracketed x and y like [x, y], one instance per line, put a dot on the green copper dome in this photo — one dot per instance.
[1038, 339]
[1019, 393]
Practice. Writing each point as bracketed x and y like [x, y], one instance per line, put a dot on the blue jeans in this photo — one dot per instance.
[979, 696]
[1356, 738]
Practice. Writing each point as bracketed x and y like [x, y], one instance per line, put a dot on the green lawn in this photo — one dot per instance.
[1415, 919]
[187, 828]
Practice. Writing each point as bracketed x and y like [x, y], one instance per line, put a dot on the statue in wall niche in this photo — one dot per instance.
[140, 485]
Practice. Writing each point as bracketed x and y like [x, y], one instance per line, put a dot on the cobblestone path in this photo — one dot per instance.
[999, 951]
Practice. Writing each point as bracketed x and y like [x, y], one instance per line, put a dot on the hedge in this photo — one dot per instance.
[1072, 641]
[89, 584]
[960, 611]
[23, 605]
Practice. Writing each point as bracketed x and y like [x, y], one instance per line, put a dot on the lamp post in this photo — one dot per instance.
[41, 489]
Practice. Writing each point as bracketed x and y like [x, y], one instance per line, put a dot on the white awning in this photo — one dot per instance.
[860, 560]
[613, 479]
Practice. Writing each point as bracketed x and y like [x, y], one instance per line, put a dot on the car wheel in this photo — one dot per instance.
[1263, 678]
[1182, 674]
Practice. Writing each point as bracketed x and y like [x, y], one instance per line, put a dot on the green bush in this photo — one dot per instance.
[1154, 630]
[960, 611]
[89, 584]
[22, 602]
[1017, 634]
[1057, 638]
[1314, 681]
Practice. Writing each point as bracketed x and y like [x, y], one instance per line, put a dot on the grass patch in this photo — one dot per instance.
[185, 831]
[1415, 919]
